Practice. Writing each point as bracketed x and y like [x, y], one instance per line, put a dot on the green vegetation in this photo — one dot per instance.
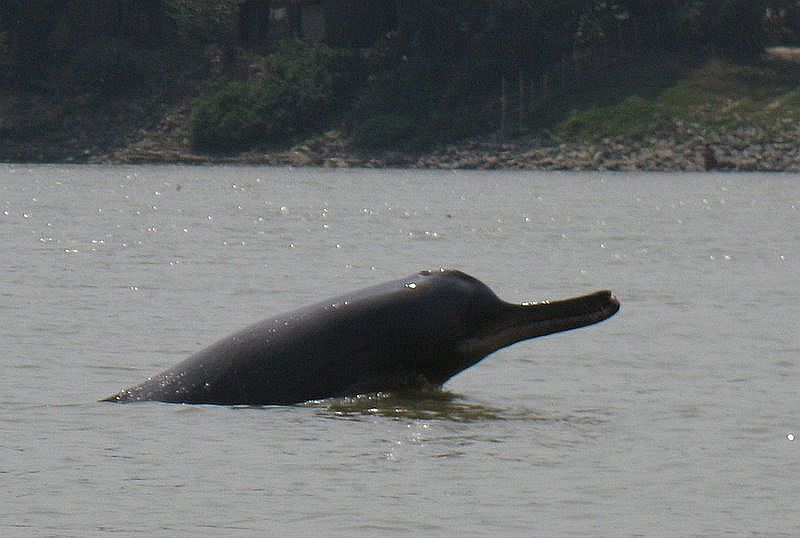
[718, 94]
[415, 106]
[606, 63]
[3, 48]
[201, 21]
[583, 69]
[301, 85]
[113, 69]
[634, 117]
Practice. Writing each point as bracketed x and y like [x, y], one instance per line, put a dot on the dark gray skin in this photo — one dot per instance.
[418, 331]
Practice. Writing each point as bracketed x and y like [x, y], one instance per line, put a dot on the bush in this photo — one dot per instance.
[302, 84]
[226, 120]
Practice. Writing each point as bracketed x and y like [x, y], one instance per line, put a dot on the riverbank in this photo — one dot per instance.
[746, 149]
[748, 115]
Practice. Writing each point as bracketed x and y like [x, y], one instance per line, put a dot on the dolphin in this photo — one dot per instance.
[418, 331]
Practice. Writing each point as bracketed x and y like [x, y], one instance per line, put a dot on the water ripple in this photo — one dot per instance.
[434, 404]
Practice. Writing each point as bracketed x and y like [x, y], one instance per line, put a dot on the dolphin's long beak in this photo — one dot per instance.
[537, 319]
[523, 321]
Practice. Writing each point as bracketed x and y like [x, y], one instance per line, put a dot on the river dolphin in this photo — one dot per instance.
[417, 331]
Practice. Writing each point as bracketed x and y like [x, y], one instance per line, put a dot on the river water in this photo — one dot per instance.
[674, 418]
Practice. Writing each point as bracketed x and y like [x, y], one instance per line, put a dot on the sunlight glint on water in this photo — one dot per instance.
[678, 416]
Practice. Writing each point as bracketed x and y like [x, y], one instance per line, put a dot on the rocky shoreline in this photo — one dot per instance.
[152, 127]
[746, 149]
[680, 148]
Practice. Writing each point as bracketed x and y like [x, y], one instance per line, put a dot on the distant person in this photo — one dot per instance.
[709, 159]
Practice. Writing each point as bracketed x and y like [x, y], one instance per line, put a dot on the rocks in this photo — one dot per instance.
[745, 149]
[678, 148]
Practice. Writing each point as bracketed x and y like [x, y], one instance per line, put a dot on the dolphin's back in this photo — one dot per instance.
[420, 330]
[340, 346]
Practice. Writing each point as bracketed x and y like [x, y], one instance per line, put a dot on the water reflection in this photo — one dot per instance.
[437, 404]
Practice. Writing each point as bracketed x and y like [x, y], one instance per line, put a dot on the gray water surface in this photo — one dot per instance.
[671, 419]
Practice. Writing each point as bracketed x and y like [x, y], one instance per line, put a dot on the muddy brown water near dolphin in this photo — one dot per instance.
[417, 331]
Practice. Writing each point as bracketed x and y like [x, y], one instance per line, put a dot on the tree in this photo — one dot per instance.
[736, 27]
[26, 21]
[204, 21]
